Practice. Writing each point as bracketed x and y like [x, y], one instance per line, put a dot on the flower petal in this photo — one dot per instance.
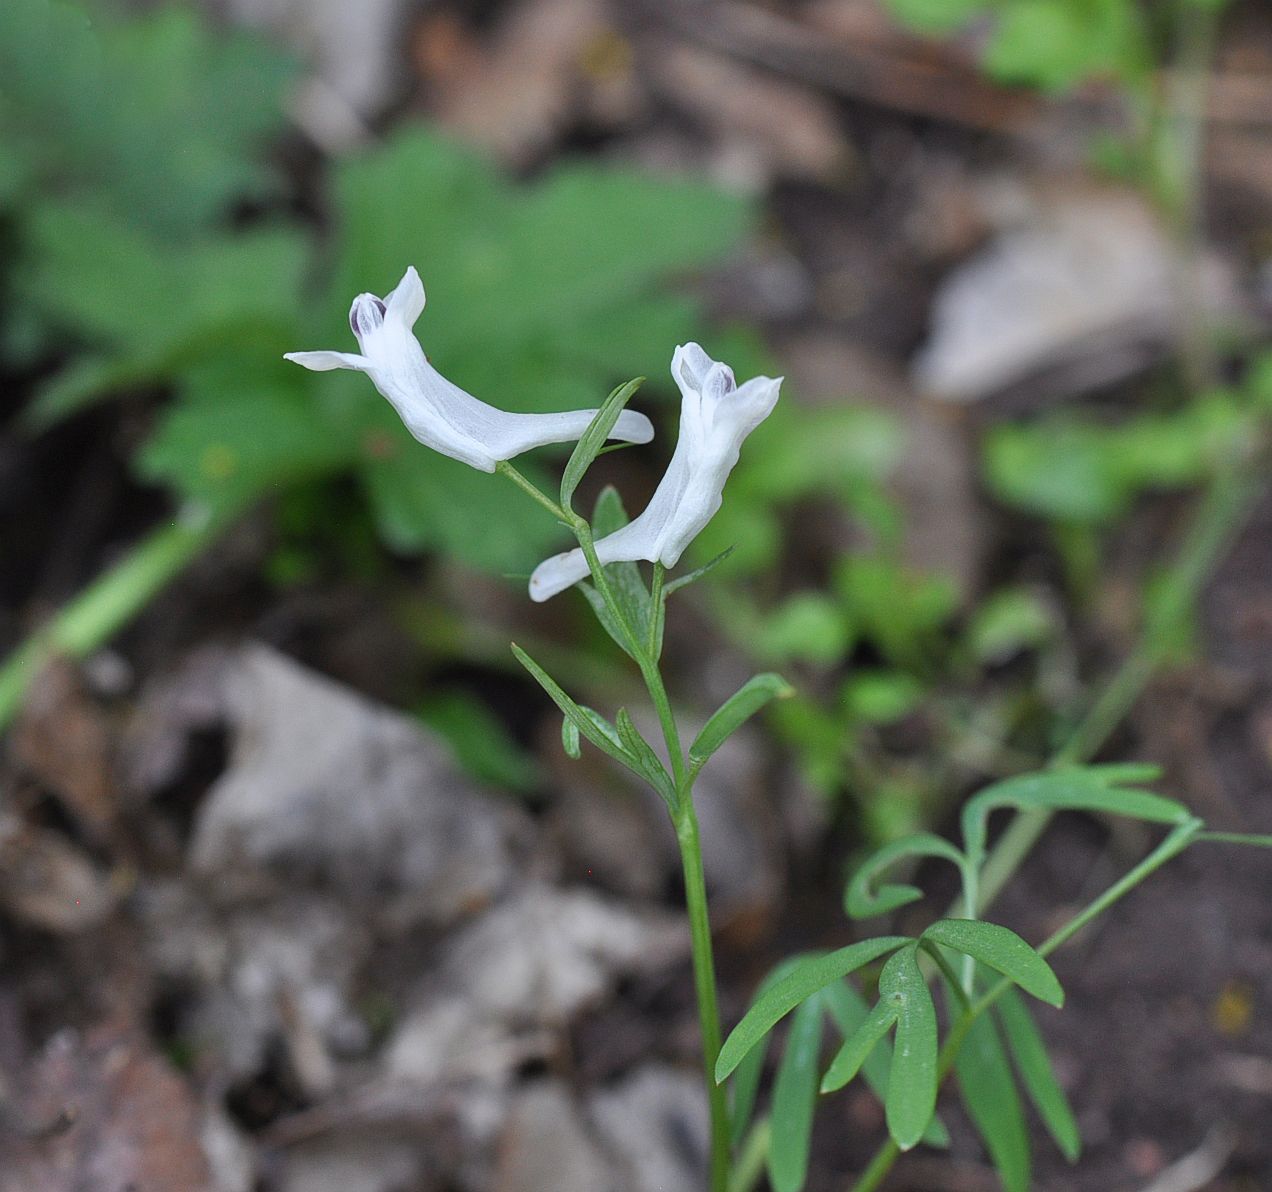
[325, 361]
[405, 301]
[510, 434]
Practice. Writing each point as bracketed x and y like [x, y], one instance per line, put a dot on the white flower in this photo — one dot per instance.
[715, 416]
[439, 414]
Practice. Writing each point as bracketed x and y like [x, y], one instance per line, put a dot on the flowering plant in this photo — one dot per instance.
[978, 968]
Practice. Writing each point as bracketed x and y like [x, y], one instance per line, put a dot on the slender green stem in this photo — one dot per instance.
[685, 819]
[504, 468]
[705, 983]
[1216, 521]
[880, 1165]
[1179, 839]
[88, 621]
[1246, 838]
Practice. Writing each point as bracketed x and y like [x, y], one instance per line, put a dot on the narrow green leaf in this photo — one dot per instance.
[1002, 950]
[1091, 788]
[989, 1093]
[1034, 1065]
[861, 901]
[744, 1087]
[911, 1100]
[849, 1010]
[795, 1098]
[653, 769]
[683, 581]
[625, 579]
[594, 727]
[589, 446]
[570, 738]
[606, 617]
[738, 708]
[858, 1046]
[805, 979]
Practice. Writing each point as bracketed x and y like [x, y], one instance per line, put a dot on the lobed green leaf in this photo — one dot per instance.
[912, 1083]
[1001, 949]
[862, 900]
[805, 979]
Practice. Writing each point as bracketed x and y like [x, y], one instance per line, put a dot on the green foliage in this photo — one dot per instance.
[159, 120]
[805, 978]
[795, 1098]
[1075, 470]
[128, 268]
[1051, 45]
[1003, 951]
[1036, 1074]
[906, 1074]
[993, 1103]
[481, 743]
[753, 695]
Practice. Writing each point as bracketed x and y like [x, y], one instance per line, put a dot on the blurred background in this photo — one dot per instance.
[298, 891]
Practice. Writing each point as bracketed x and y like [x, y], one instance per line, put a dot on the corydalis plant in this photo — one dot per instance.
[716, 416]
[990, 1039]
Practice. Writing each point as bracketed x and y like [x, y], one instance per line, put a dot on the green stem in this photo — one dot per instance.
[685, 819]
[1216, 521]
[1235, 838]
[504, 468]
[1179, 839]
[705, 984]
[88, 621]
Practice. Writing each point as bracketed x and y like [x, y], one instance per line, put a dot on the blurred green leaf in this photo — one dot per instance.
[881, 696]
[935, 16]
[989, 1092]
[481, 741]
[1008, 621]
[1034, 1065]
[795, 1098]
[162, 117]
[805, 627]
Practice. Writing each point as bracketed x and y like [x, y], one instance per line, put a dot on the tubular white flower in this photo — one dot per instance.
[715, 416]
[439, 414]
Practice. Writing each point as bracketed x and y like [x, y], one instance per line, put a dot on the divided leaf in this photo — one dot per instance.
[804, 979]
[861, 901]
[859, 1045]
[849, 1010]
[1001, 949]
[1077, 788]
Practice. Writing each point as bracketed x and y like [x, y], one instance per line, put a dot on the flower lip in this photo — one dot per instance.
[366, 315]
